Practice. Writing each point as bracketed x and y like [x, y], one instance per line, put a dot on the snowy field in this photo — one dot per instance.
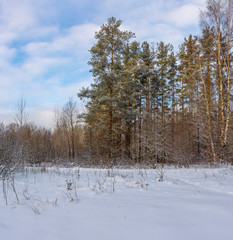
[92, 204]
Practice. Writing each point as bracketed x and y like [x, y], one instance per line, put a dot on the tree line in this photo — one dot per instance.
[148, 104]
[23, 142]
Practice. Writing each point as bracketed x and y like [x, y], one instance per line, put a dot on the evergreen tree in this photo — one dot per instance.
[130, 92]
[147, 81]
[107, 66]
[164, 73]
[208, 97]
[188, 77]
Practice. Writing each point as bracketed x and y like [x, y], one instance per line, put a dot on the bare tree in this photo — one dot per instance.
[66, 129]
[69, 120]
[21, 115]
[12, 158]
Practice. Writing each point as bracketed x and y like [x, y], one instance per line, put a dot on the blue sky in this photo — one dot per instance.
[44, 45]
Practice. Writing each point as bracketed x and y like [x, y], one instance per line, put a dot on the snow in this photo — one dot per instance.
[195, 203]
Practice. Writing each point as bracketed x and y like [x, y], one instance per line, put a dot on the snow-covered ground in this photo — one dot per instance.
[92, 204]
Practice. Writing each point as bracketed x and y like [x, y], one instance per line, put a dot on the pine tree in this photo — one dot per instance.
[207, 100]
[188, 77]
[173, 88]
[163, 63]
[107, 66]
[130, 93]
[146, 79]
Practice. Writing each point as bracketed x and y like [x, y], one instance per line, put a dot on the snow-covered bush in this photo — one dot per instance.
[12, 154]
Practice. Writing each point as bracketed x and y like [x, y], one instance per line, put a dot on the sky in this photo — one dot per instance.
[44, 45]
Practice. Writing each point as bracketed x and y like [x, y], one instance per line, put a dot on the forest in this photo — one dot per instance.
[149, 103]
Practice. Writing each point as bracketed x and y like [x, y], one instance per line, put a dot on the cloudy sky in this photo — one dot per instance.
[44, 45]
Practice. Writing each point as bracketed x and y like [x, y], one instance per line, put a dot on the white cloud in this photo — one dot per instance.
[15, 16]
[72, 41]
[38, 65]
[6, 53]
[184, 16]
[42, 116]
[7, 36]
